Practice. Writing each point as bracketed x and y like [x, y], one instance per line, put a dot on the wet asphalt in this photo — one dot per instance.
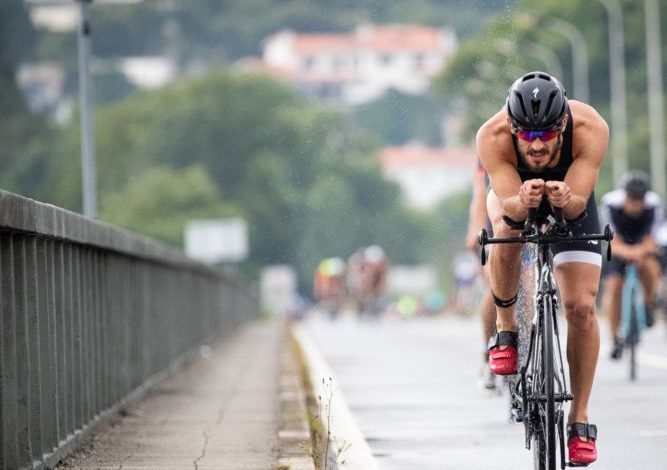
[413, 387]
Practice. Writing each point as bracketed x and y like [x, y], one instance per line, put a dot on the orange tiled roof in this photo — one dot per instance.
[317, 43]
[381, 39]
[406, 38]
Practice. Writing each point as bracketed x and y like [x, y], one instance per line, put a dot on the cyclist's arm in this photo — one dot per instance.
[477, 210]
[619, 248]
[504, 178]
[591, 137]
[647, 246]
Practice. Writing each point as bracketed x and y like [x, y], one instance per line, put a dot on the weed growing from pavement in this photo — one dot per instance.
[325, 449]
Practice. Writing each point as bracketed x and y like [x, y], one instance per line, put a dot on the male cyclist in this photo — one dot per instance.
[540, 151]
[635, 213]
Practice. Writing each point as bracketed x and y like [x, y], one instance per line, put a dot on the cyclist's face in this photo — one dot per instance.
[538, 154]
[633, 207]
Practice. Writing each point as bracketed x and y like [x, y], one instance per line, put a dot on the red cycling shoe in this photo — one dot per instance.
[504, 361]
[581, 452]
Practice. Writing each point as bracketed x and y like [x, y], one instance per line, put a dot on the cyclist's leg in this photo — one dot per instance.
[505, 266]
[488, 316]
[649, 274]
[578, 282]
[577, 267]
[488, 313]
[612, 301]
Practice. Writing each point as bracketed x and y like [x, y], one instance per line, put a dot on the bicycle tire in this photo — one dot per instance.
[544, 439]
[633, 335]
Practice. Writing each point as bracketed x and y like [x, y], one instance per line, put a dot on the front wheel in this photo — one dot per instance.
[544, 437]
[633, 339]
[540, 453]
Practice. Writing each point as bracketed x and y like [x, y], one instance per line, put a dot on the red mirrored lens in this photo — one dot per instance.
[542, 135]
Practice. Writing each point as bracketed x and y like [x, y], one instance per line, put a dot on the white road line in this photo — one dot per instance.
[653, 360]
[344, 428]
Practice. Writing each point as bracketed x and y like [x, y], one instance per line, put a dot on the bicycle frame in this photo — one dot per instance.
[542, 388]
[542, 376]
[633, 314]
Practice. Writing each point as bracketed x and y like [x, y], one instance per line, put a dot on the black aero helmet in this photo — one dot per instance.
[536, 101]
[636, 184]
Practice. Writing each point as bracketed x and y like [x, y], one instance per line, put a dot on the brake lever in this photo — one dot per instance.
[483, 237]
[609, 236]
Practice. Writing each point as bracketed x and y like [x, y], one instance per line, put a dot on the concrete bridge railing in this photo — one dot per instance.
[91, 315]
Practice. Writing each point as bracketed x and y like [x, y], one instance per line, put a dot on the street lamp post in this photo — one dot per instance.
[88, 162]
[535, 50]
[579, 55]
[655, 98]
[86, 101]
[619, 125]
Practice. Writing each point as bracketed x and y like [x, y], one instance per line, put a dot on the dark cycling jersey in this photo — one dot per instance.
[581, 251]
[631, 229]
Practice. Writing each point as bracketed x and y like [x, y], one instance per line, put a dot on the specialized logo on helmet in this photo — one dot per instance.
[535, 92]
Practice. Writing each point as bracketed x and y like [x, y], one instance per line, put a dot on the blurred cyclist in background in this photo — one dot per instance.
[635, 213]
[354, 287]
[661, 240]
[368, 279]
[478, 219]
[329, 285]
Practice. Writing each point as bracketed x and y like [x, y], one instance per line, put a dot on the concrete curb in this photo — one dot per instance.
[294, 444]
[345, 433]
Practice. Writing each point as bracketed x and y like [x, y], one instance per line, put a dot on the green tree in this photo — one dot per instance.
[306, 183]
[397, 118]
[161, 202]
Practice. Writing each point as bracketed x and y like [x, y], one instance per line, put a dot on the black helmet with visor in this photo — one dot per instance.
[536, 102]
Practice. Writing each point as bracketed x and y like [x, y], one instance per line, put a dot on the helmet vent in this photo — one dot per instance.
[552, 95]
[536, 108]
[523, 106]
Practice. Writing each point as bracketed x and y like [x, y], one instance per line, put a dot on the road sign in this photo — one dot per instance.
[215, 241]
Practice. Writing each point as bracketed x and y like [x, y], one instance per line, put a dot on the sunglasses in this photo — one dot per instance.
[530, 136]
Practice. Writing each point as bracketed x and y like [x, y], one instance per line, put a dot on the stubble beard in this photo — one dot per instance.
[539, 166]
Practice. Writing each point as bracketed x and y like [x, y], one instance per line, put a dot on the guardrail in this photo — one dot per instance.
[90, 316]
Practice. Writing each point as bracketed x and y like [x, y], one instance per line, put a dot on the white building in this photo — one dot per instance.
[426, 175]
[358, 67]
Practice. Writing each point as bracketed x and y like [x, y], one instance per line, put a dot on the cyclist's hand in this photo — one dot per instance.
[558, 193]
[531, 192]
[627, 254]
[634, 255]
